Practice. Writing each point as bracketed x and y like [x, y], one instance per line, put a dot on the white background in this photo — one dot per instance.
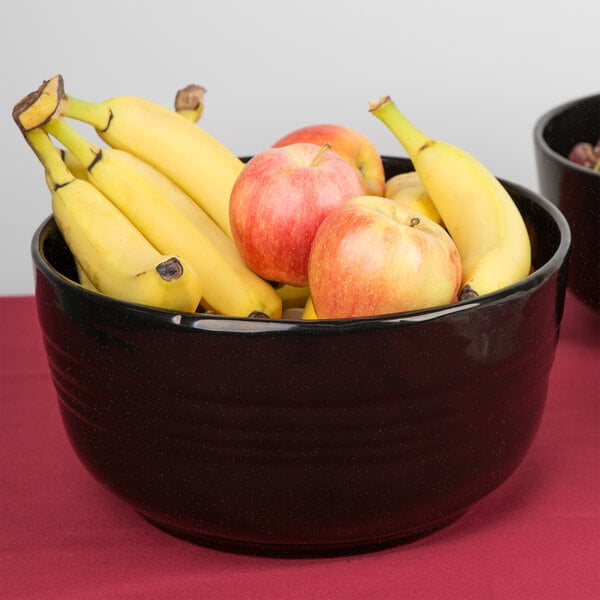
[474, 73]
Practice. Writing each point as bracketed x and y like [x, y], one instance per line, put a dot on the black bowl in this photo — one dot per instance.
[573, 188]
[284, 437]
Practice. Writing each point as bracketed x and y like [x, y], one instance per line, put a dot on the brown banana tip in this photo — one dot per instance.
[467, 293]
[170, 269]
[375, 104]
[26, 121]
[190, 97]
[257, 314]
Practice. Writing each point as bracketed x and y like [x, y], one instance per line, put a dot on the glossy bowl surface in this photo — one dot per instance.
[573, 188]
[304, 437]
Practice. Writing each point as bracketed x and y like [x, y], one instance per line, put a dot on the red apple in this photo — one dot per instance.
[279, 200]
[351, 145]
[375, 256]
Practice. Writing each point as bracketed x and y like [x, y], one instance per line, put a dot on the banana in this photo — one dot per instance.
[309, 312]
[292, 296]
[482, 218]
[187, 103]
[188, 155]
[407, 188]
[172, 222]
[116, 258]
[76, 167]
[84, 280]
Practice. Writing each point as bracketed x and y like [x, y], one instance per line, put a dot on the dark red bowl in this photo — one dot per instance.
[304, 437]
[573, 188]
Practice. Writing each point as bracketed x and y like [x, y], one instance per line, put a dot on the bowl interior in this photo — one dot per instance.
[564, 126]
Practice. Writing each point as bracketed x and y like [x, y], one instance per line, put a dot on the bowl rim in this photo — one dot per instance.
[540, 128]
[247, 325]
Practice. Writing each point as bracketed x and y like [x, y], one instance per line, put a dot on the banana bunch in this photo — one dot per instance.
[151, 205]
[482, 218]
[115, 257]
[189, 156]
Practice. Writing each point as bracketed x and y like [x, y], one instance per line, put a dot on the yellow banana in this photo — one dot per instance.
[408, 189]
[482, 218]
[189, 102]
[116, 258]
[76, 167]
[84, 280]
[172, 222]
[309, 310]
[292, 296]
[188, 155]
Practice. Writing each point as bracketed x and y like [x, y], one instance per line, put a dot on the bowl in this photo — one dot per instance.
[304, 438]
[573, 188]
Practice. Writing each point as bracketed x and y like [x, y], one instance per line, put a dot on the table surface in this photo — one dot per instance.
[64, 536]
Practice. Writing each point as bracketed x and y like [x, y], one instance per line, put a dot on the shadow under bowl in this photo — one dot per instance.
[575, 189]
[304, 438]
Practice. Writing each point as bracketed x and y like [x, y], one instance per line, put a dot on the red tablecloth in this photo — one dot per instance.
[63, 536]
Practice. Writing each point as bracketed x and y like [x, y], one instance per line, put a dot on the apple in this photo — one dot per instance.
[373, 256]
[351, 145]
[278, 202]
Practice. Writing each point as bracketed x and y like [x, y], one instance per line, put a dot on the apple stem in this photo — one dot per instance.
[414, 221]
[313, 162]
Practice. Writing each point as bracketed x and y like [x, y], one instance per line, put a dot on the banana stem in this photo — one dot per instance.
[85, 151]
[50, 157]
[407, 134]
[96, 114]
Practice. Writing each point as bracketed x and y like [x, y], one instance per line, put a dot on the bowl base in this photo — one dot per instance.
[305, 550]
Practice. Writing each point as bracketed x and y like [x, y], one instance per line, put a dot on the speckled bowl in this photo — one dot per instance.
[573, 188]
[304, 438]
